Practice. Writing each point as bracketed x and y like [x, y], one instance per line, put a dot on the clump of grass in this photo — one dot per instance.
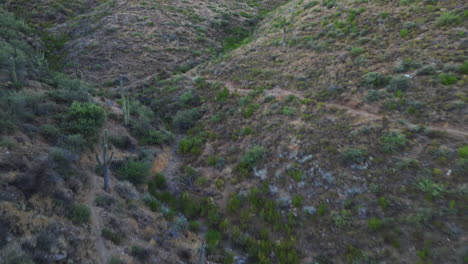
[191, 145]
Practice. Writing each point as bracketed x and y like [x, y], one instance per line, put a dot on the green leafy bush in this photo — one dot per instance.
[373, 80]
[403, 32]
[158, 182]
[213, 238]
[186, 119]
[374, 223]
[69, 89]
[448, 18]
[74, 143]
[354, 155]
[85, 119]
[112, 236]
[79, 214]
[50, 132]
[448, 78]
[251, 158]
[191, 145]
[428, 186]
[156, 137]
[464, 68]
[139, 252]
[134, 171]
[393, 141]
[399, 83]
[463, 152]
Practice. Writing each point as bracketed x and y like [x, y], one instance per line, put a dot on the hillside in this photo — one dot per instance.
[240, 131]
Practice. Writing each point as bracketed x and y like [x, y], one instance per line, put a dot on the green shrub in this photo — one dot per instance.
[156, 137]
[134, 171]
[448, 78]
[74, 143]
[463, 152]
[373, 80]
[374, 223]
[463, 68]
[213, 238]
[186, 119]
[50, 132]
[69, 90]
[188, 98]
[158, 182]
[17, 257]
[448, 18]
[194, 226]
[393, 141]
[428, 186]
[382, 202]
[112, 236]
[403, 32]
[115, 260]
[139, 252]
[222, 95]
[297, 201]
[85, 119]
[354, 155]
[399, 83]
[79, 214]
[251, 159]
[461, 167]
[355, 51]
[121, 142]
[289, 111]
[191, 145]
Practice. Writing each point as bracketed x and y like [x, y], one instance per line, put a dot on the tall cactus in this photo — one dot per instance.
[14, 77]
[106, 160]
[202, 253]
[284, 36]
[125, 104]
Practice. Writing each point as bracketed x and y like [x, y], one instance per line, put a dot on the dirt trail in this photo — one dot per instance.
[96, 223]
[171, 169]
[278, 92]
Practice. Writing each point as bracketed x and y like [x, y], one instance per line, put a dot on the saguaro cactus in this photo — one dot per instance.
[201, 254]
[284, 37]
[125, 104]
[106, 160]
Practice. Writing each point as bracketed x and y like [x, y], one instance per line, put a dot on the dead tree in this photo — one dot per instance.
[106, 161]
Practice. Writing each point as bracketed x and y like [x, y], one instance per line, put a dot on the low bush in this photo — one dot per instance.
[430, 188]
[401, 83]
[448, 18]
[191, 145]
[134, 171]
[186, 119]
[213, 238]
[354, 155]
[73, 143]
[85, 119]
[393, 141]
[448, 78]
[79, 214]
[121, 142]
[50, 132]
[158, 182]
[463, 152]
[140, 253]
[251, 159]
[156, 137]
[373, 80]
[112, 236]
[374, 223]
